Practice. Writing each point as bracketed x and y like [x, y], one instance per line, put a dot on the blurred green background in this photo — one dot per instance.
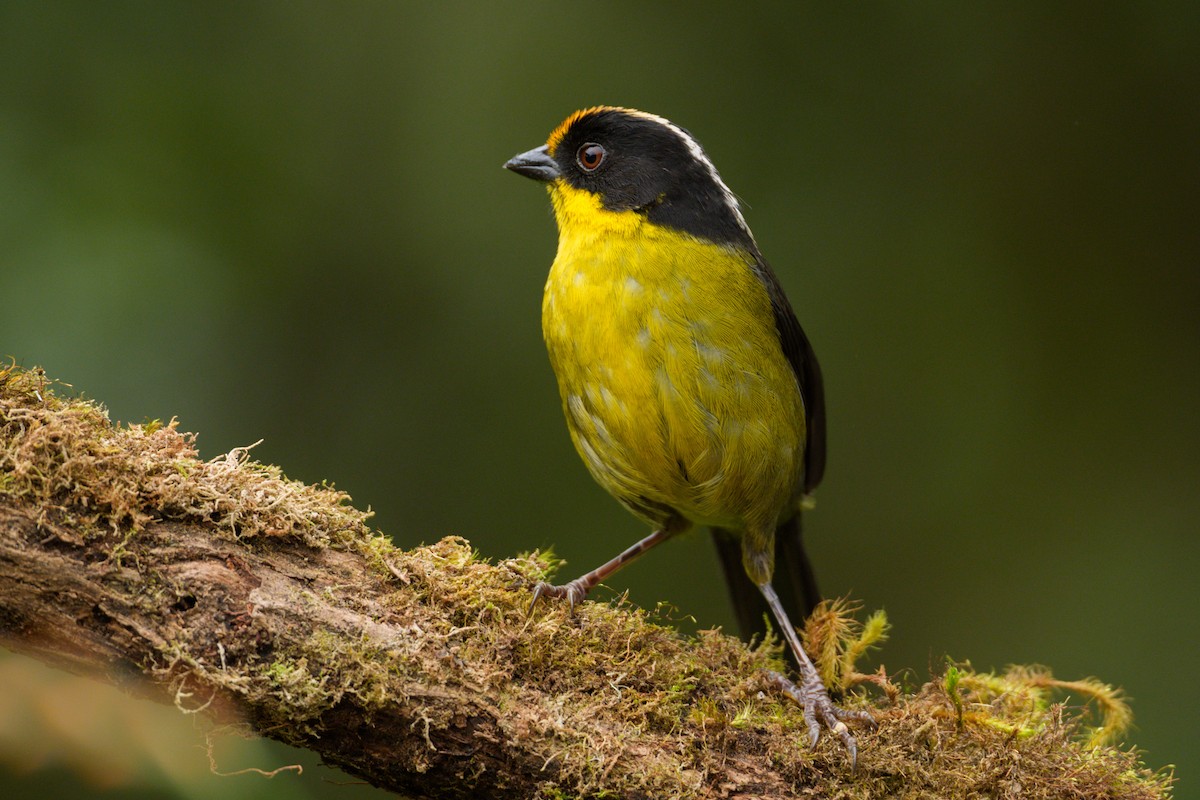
[288, 221]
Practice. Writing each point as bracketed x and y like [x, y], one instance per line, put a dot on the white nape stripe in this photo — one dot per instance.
[698, 153]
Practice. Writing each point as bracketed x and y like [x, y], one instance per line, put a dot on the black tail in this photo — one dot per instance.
[793, 581]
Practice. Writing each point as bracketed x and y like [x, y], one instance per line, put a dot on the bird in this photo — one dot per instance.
[690, 391]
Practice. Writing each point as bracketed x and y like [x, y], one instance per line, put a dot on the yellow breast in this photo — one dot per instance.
[675, 388]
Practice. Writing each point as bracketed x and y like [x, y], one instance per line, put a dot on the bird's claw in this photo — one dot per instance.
[819, 710]
[573, 591]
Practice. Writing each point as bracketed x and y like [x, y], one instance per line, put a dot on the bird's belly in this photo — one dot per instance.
[677, 395]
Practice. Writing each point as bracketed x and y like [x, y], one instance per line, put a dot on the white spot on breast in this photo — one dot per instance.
[576, 409]
[663, 381]
[633, 286]
[601, 430]
[610, 400]
[590, 455]
[712, 355]
[643, 337]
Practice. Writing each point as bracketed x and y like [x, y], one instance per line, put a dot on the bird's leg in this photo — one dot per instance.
[811, 693]
[577, 589]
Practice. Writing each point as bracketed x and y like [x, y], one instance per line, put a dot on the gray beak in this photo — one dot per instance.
[536, 164]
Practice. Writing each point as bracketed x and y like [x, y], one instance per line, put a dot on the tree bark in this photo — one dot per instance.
[184, 614]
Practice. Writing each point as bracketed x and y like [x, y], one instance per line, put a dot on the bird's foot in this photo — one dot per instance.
[574, 591]
[819, 710]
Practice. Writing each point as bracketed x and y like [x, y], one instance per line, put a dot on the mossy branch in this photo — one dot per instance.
[224, 587]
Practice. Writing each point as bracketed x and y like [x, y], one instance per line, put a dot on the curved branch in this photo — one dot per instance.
[225, 586]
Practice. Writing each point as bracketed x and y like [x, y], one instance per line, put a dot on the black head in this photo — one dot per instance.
[643, 163]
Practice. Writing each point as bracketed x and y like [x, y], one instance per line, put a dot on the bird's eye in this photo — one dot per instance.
[590, 156]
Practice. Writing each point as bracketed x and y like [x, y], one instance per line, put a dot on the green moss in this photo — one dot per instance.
[65, 455]
[608, 679]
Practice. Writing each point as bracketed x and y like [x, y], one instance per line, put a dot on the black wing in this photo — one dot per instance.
[799, 353]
